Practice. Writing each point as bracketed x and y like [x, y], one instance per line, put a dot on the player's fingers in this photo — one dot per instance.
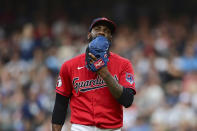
[92, 56]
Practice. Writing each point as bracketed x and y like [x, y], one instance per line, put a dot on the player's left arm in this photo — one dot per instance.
[123, 95]
[115, 88]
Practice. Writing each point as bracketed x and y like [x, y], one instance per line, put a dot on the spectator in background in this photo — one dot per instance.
[27, 43]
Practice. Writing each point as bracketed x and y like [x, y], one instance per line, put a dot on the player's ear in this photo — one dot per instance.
[88, 36]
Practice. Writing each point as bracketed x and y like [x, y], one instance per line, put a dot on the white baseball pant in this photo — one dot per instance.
[78, 127]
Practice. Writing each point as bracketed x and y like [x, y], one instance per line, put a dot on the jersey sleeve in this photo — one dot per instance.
[64, 86]
[127, 76]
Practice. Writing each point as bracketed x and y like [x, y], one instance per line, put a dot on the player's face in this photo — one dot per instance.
[100, 30]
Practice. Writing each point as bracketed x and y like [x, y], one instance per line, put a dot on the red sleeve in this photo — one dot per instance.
[64, 86]
[127, 76]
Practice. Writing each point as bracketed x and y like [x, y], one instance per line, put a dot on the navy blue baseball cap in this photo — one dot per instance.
[102, 20]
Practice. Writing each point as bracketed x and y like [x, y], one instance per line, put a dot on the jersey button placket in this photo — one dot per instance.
[93, 111]
[95, 105]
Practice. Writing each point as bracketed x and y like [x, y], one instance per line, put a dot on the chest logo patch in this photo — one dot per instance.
[129, 78]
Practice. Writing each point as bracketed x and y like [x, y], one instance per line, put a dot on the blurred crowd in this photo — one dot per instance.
[164, 58]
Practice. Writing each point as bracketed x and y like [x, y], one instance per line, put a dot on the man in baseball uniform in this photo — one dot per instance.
[96, 84]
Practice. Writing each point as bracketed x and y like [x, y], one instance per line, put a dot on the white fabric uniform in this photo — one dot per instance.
[78, 127]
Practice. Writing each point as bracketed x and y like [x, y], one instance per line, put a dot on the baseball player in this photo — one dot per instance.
[96, 84]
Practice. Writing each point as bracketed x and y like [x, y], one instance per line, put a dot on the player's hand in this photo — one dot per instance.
[93, 58]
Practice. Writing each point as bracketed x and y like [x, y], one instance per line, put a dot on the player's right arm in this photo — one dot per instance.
[63, 92]
[56, 127]
[59, 112]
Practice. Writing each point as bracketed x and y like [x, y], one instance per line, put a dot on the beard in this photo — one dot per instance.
[91, 38]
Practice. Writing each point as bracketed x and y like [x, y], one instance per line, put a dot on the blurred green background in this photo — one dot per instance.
[158, 36]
